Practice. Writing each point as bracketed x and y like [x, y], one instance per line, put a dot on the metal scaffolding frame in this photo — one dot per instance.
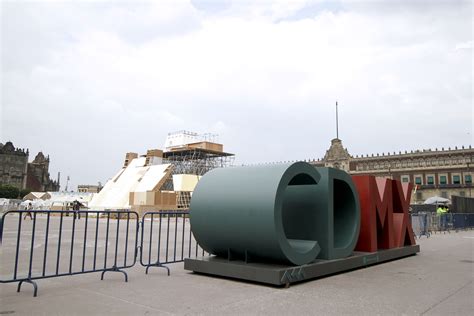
[197, 161]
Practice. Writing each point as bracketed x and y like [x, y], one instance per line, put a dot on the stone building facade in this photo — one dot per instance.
[444, 172]
[38, 178]
[15, 170]
[13, 165]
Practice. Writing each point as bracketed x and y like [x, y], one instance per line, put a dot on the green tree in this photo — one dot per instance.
[23, 193]
[9, 192]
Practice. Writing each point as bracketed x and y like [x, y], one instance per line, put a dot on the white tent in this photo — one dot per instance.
[37, 204]
[9, 204]
[26, 202]
[70, 196]
[37, 195]
[434, 200]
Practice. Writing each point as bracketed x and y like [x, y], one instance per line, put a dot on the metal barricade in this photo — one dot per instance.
[166, 238]
[443, 222]
[427, 223]
[415, 224]
[451, 221]
[436, 223]
[47, 244]
[470, 221]
[422, 224]
[459, 221]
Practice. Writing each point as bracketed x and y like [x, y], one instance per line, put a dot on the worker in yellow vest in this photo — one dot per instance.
[441, 212]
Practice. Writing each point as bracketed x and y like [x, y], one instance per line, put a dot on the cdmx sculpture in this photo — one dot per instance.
[284, 223]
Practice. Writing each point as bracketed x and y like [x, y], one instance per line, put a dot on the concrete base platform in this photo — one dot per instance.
[285, 274]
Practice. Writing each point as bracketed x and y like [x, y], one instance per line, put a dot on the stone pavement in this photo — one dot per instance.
[437, 281]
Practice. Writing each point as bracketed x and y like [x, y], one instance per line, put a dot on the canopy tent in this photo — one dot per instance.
[37, 195]
[57, 200]
[37, 204]
[70, 197]
[26, 202]
[9, 204]
[435, 200]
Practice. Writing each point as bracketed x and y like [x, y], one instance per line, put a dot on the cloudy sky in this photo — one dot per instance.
[87, 81]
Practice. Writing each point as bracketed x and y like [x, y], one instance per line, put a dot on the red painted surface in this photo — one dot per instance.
[401, 203]
[385, 222]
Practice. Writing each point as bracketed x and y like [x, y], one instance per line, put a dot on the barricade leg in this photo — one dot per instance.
[158, 265]
[35, 286]
[114, 269]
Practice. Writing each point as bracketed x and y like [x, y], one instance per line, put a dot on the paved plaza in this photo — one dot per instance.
[437, 281]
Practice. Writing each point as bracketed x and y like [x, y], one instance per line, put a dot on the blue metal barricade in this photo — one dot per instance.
[470, 221]
[423, 224]
[51, 244]
[47, 244]
[166, 238]
[451, 221]
[460, 221]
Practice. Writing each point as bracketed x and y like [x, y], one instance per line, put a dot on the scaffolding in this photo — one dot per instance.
[197, 161]
[183, 199]
[192, 154]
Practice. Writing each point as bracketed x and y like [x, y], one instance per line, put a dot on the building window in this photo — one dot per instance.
[405, 179]
[456, 179]
[468, 179]
[430, 179]
[444, 194]
[442, 180]
[417, 180]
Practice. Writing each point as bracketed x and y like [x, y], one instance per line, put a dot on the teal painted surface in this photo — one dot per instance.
[338, 221]
[259, 212]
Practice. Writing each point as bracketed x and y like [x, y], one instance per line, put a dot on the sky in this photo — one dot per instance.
[88, 81]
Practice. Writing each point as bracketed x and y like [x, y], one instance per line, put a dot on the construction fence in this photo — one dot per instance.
[462, 204]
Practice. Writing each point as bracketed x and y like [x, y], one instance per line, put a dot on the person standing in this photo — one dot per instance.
[76, 207]
[441, 212]
[29, 208]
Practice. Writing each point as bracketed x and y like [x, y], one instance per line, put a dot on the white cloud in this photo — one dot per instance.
[464, 45]
[90, 79]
